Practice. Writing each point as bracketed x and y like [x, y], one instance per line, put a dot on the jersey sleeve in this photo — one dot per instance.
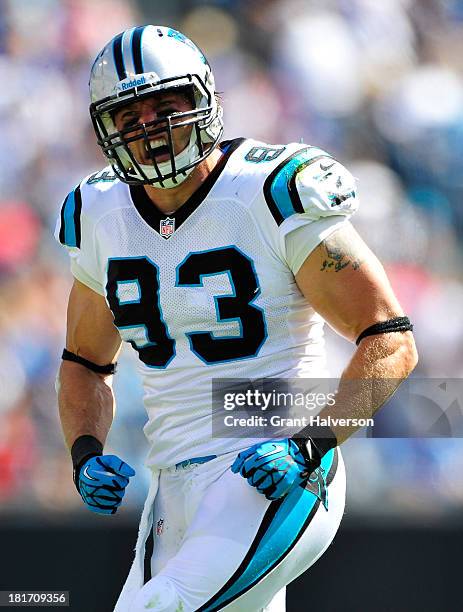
[74, 230]
[310, 195]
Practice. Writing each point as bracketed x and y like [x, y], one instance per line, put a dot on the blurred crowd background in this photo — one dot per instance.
[378, 84]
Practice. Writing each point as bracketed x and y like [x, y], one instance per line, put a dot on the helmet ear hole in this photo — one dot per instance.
[191, 96]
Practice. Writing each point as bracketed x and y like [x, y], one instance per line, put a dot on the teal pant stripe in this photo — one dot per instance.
[287, 526]
[280, 186]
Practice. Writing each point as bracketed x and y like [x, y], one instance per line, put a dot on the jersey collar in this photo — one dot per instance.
[153, 216]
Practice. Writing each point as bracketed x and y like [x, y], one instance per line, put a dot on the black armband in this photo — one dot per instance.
[315, 442]
[398, 324]
[83, 448]
[110, 368]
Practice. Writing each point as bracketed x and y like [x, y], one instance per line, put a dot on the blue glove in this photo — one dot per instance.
[101, 482]
[274, 467]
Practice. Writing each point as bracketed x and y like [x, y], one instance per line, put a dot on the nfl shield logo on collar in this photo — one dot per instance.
[167, 227]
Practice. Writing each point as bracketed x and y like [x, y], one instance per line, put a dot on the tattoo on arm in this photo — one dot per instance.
[338, 256]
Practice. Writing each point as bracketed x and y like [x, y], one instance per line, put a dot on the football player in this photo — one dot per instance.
[212, 259]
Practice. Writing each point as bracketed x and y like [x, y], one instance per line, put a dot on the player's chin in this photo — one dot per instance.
[159, 159]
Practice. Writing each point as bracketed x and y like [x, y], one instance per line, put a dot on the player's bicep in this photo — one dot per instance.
[91, 332]
[346, 284]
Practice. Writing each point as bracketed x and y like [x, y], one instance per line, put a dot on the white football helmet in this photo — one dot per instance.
[134, 65]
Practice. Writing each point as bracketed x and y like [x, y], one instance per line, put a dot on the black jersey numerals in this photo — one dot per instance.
[133, 296]
[236, 307]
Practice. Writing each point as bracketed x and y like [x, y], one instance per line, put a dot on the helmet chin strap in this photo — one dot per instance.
[185, 157]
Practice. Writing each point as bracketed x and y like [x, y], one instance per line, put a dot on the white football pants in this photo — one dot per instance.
[221, 545]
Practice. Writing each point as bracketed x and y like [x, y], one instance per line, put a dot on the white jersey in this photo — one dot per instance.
[208, 291]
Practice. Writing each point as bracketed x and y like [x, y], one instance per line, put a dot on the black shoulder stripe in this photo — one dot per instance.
[293, 192]
[136, 49]
[267, 189]
[118, 57]
[276, 214]
[70, 224]
[77, 213]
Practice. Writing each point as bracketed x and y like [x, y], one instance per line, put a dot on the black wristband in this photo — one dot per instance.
[83, 448]
[322, 440]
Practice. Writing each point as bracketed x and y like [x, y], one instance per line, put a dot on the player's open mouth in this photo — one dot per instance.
[159, 149]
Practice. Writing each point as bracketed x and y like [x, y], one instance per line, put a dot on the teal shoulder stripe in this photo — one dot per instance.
[279, 187]
[70, 230]
[286, 528]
